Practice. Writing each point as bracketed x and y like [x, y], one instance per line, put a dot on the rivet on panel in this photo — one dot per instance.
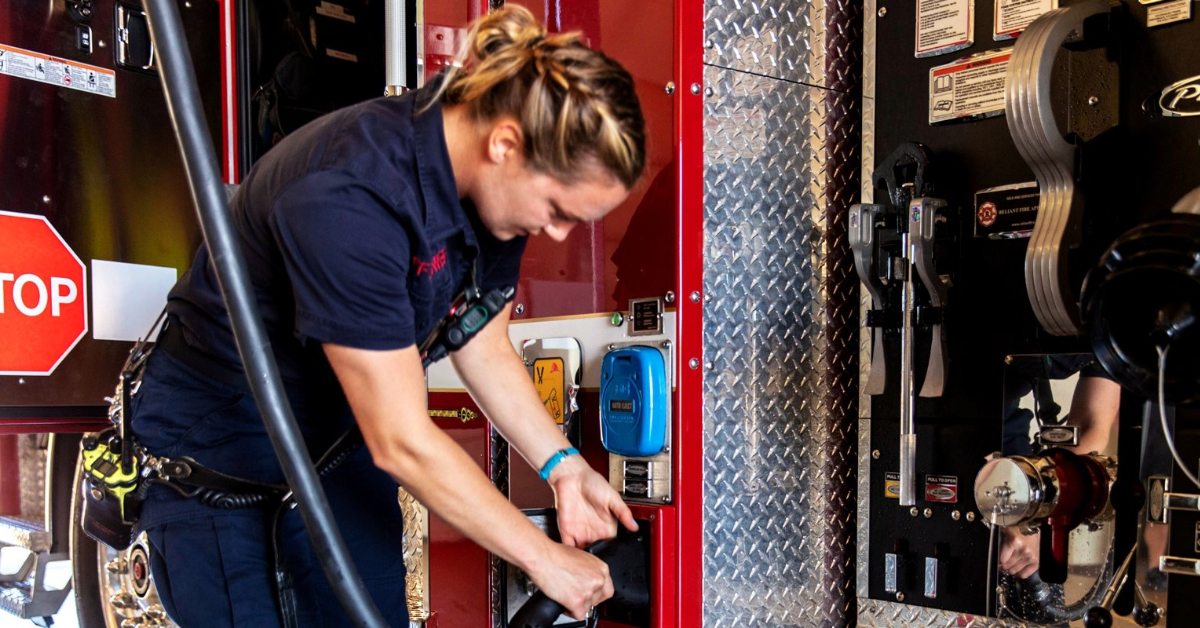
[669, 297]
[899, 596]
[928, 513]
[46, 199]
[670, 87]
[708, 365]
[955, 515]
[970, 516]
[1093, 100]
[101, 43]
[708, 92]
[695, 297]
[520, 308]
[882, 11]
[21, 381]
[914, 512]
[710, 44]
[693, 364]
[875, 454]
[696, 88]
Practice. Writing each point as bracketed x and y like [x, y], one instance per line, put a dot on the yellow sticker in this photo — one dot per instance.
[550, 383]
[891, 485]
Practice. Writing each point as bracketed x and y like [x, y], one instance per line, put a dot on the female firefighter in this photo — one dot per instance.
[359, 230]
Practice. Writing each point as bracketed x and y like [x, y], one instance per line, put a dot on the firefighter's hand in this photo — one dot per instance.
[588, 508]
[573, 578]
[1019, 553]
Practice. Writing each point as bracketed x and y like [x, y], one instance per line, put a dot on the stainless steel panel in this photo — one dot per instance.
[781, 329]
[780, 40]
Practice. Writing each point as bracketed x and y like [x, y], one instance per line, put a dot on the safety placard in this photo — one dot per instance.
[944, 26]
[551, 385]
[972, 87]
[891, 484]
[55, 71]
[1168, 12]
[941, 488]
[43, 296]
[1012, 16]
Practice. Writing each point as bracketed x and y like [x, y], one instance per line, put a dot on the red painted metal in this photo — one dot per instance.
[631, 252]
[460, 570]
[10, 476]
[689, 399]
[230, 165]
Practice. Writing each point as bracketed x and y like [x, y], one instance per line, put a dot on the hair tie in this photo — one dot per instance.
[534, 42]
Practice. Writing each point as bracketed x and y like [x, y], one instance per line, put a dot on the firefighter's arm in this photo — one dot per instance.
[588, 508]
[386, 393]
[1095, 406]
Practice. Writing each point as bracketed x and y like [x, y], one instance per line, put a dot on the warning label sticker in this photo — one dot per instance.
[944, 26]
[1012, 16]
[891, 485]
[548, 378]
[941, 488]
[55, 71]
[972, 87]
[1168, 12]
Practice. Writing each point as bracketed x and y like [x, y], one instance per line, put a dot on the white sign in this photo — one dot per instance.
[127, 298]
[36, 66]
[1012, 16]
[1169, 12]
[944, 26]
[968, 88]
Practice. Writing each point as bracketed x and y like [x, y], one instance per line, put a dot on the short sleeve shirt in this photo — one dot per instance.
[354, 235]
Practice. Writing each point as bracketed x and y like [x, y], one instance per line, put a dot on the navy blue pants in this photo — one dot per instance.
[214, 568]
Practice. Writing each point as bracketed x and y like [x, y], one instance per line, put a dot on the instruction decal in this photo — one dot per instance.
[891, 485]
[1012, 16]
[43, 68]
[944, 26]
[1168, 12]
[549, 380]
[971, 87]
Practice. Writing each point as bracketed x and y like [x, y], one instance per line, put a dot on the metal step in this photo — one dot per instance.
[30, 534]
[28, 599]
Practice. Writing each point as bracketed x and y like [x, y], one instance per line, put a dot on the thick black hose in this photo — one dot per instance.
[200, 161]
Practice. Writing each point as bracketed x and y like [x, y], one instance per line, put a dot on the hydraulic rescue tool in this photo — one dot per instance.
[906, 290]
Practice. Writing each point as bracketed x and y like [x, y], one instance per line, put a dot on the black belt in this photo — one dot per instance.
[171, 339]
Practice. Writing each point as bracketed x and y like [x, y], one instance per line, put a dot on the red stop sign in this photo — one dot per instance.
[43, 296]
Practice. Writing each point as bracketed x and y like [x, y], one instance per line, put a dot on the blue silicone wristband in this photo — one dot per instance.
[555, 459]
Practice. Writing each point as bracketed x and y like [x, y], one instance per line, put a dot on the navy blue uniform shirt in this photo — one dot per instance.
[354, 235]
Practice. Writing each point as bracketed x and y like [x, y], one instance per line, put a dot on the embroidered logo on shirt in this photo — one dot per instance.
[435, 264]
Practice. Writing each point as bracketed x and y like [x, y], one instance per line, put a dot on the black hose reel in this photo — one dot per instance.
[1145, 294]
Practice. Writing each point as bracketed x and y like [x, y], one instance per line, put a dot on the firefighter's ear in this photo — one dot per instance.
[505, 141]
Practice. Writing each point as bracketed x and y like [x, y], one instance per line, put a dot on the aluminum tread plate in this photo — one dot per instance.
[780, 335]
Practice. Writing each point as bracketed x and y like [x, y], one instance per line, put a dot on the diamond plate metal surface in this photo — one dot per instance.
[864, 339]
[416, 556]
[32, 451]
[770, 39]
[781, 329]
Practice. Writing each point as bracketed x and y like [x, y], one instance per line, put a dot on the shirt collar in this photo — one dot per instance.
[434, 169]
